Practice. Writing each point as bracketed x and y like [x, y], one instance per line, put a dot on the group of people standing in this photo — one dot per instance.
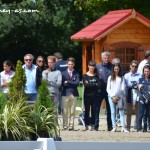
[62, 82]
[121, 91]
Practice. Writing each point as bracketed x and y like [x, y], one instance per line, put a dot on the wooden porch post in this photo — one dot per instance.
[84, 58]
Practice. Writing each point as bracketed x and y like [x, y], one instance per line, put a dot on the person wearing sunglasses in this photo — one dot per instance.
[30, 71]
[131, 81]
[41, 66]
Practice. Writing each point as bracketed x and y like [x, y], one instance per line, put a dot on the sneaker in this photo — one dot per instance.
[124, 130]
[113, 130]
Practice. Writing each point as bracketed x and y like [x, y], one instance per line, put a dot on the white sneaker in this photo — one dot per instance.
[113, 130]
[124, 130]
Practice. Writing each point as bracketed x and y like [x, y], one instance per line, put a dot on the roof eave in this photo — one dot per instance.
[115, 25]
[143, 19]
[82, 39]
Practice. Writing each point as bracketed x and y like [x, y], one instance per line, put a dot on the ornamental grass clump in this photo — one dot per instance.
[14, 121]
[43, 116]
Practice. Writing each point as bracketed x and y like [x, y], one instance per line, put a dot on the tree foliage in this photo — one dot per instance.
[49, 30]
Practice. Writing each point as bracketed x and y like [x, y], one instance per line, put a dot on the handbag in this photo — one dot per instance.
[122, 103]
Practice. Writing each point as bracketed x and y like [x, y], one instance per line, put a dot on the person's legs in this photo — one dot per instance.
[145, 121]
[87, 110]
[136, 115]
[121, 112]
[148, 116]
[97, 105]
[129, 113]
[93, 99]
[113, 111]
[141, 109]
[60, 101]
[109, 121]
[65, 100]
[72, 101]
[54, 99]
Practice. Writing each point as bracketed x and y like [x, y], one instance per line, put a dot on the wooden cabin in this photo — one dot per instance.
[123, 33]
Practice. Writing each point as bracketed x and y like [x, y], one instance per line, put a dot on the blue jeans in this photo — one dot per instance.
[113, 113]
[143, 108]
[104, 95]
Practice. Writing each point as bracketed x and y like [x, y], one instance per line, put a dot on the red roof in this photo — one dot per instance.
[106, 23]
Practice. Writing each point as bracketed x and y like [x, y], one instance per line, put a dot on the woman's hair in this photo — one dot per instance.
[147, 66]
[113, 76]
[93, 64]
[10, 64]
[38, 59]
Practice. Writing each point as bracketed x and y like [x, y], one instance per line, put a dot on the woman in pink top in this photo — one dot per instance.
[6, 75]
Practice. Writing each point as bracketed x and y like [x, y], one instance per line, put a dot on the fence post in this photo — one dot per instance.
[48, 143]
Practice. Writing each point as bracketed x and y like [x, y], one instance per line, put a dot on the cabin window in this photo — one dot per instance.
[126, 55]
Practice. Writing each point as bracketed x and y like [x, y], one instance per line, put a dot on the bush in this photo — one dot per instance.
[17, 85]
[14, 121]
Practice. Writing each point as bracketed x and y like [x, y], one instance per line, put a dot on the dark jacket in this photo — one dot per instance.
[104, 71]
[61, 65]
[92, 85]
[39, 71]
[72, 83]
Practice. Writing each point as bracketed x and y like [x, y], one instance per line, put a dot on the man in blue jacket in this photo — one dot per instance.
[70, 82]
[104, 71]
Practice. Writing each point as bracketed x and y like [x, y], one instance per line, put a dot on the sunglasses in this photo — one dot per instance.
[40, 61]
[28, 59]
[134, 66]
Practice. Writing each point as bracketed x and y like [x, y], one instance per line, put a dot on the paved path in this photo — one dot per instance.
[102, 134]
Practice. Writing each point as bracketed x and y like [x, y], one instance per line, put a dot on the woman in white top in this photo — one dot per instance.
[115, 89]
[6, 75]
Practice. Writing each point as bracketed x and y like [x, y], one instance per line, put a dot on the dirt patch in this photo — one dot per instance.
[102, 134]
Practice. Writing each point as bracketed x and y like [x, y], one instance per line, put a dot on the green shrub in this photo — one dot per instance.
[17, 85]
[44, 96]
